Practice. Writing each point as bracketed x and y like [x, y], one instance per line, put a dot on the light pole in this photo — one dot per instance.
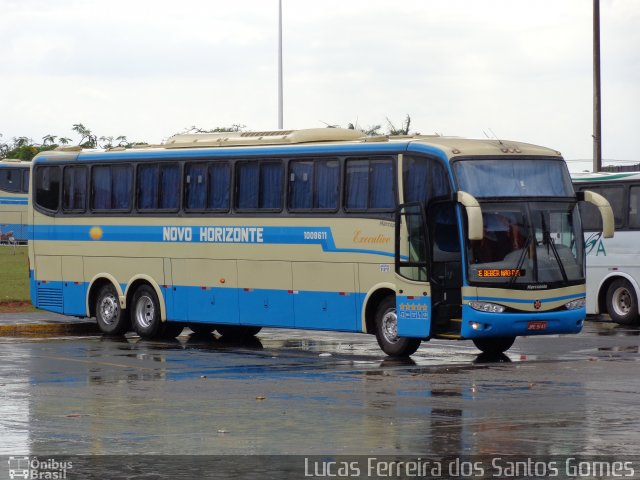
[597, 109]
[280, 121]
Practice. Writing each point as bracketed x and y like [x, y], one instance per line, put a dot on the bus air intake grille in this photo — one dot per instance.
[50, 297]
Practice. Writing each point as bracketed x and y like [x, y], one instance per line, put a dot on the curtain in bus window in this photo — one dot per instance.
[219, 181]
[196, 185]
[74, 188]
[25, 181]
[357, 184]
[634, 207]
[148, 186]
[248, 183]
[300, 185]
[440, 186]
[416, 179]
[168, 192]
[382, 191]
[122, 183]
[327, 178]
[271, 185]
[101, 186]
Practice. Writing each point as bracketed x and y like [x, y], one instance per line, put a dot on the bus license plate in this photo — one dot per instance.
[537, 325]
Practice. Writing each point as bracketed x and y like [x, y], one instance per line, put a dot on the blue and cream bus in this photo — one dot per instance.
[14, 192]
[405, 238]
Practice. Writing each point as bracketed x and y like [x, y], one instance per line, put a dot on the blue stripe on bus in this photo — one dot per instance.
[520, 300]
[13, 200]
[191, 304]
[227, 234]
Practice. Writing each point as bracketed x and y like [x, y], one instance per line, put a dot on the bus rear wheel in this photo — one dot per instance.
[237, 332]
[387, 331]
[622, 302]
[112, 320]
[494, 346]
[145, 316]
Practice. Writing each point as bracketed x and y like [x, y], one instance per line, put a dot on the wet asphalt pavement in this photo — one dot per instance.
[319, 393]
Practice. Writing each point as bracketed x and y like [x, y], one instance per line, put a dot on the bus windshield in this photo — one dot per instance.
[514, 178]
[528, 244]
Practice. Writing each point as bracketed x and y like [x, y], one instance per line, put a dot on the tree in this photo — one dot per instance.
[236, 127]
[403, 130]
[49, 139]
[87, 138]
[374, 130]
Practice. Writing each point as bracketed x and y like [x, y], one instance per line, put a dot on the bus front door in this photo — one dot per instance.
[445, 274]
[413, 299]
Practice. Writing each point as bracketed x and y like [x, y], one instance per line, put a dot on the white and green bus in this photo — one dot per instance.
[613, 265]
[407, 238]
[14, 191]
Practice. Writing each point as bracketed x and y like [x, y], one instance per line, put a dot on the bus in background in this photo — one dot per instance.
[406, 238]
[613, 265]
[14, 191]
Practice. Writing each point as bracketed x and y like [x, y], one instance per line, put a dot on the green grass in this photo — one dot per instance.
[14, 274]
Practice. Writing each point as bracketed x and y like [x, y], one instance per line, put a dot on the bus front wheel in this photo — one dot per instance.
[387, 331]
[494, 346]
[112, 320]
[622, 302]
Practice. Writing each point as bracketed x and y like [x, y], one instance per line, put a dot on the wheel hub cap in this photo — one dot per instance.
[109, 309]
[390, 326]
[145, 312]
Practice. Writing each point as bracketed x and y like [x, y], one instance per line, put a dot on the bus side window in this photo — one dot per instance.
[424, 179]
[111, 186]
[10, 180]
[158, 186]
[370, 184]
[591, 219]
[314, 185]
[260, 185]
[74, 188]
[634, 207]
[47, 186]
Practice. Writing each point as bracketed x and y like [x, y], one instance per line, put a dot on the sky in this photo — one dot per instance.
[514, 69]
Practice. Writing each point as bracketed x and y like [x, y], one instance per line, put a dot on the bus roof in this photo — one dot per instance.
[315, 140]
[14, 162]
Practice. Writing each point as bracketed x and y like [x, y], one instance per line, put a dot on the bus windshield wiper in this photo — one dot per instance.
[523, 254]
[548, 241]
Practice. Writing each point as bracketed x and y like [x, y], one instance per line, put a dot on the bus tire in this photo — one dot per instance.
[387, 331]
[237, 332]
[494, 346]
[622, 302]
[145, 314]
[112, 320]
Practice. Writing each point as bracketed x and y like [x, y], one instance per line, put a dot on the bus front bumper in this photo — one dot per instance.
[477, 324]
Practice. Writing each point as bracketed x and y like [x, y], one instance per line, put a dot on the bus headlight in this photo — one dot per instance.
[577, 303]
[487, 307]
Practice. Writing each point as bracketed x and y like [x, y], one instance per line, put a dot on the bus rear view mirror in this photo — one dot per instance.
[605, 211]
[474, 214]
